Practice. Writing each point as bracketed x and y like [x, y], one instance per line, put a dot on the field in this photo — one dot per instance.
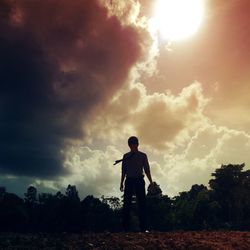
[154, 240]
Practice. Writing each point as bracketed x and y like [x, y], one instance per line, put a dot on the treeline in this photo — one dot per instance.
[224, 205]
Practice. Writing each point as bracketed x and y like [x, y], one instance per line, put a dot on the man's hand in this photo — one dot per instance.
[121, 187]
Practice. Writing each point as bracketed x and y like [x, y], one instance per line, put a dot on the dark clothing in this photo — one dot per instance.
[133, 164]
[137, 186]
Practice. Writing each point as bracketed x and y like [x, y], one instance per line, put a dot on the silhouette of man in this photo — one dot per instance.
[133, 164]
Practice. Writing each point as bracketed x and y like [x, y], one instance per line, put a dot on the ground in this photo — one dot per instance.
[113, 241]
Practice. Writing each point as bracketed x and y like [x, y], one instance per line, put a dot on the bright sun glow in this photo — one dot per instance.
[177, 19]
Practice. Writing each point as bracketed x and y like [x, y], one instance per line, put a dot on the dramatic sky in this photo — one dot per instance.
[78, 77]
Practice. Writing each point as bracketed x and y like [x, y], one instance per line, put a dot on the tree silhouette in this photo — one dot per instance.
[12, 213]
[31, 195]
[72, 193]
[224, 205]
[231, 190]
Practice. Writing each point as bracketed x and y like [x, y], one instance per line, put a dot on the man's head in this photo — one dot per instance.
[133, 143]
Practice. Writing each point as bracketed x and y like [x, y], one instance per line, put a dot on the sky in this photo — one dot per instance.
[77, 78]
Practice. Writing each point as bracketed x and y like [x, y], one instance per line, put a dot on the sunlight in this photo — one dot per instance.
[177, 19]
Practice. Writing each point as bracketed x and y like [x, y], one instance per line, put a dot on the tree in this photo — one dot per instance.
[12, 213]
[31, 203]
[113, 202]
[160, 213]
[97, 215]
[31, 196]
[230, 189]
[191, 208]
[72, 193]
[2, 193]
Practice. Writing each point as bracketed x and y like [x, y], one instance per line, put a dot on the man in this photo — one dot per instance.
[133, 164]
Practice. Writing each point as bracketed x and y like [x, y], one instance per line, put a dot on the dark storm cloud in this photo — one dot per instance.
[58, 60]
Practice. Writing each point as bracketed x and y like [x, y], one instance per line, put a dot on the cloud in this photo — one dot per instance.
[209, 148]
[93, 171]
[69, 99]
[164, 117]
[126, 10]
[218, 57]
[159, 119]
[176, 170]
[194, 136]
[184, 146]
[59, 61]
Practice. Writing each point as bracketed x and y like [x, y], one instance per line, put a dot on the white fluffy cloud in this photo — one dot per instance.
[92, 171]
[207, 150]
[160, 119]
[183, 144]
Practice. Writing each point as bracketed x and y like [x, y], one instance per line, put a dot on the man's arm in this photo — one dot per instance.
[147, 169]
[123, 174]
[148, 174]
[122, 182]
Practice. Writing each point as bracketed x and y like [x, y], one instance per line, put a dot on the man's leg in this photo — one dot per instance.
[141, 199]
[128, 192]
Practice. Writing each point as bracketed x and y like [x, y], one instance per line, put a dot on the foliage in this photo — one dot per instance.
[224, 205]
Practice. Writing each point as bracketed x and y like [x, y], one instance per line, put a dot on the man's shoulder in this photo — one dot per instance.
[139, 153]
[142, 154]
[126, 154]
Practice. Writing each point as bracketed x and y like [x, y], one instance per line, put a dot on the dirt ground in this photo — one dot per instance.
[113, 241]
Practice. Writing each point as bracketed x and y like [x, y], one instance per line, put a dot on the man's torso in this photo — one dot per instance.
[133, 164]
